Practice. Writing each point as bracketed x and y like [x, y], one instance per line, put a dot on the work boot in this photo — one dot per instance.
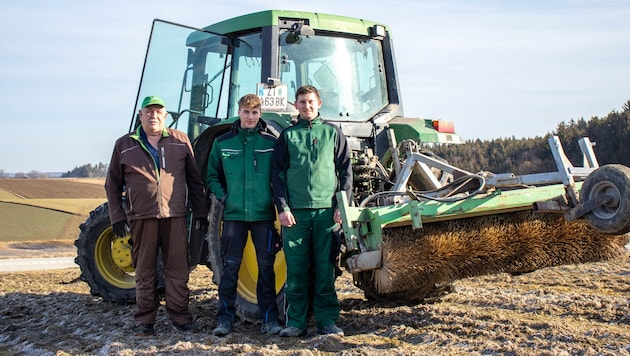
[224, 328]
[186, 328]
[143, 330]
[272, 328]
[331, 329]
[292, 331]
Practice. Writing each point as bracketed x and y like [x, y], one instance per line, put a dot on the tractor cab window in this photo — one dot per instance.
[188, 69]
[246, 69]
[348, 73]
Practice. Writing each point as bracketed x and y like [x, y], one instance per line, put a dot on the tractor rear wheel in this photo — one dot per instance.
[105, 260]
[613, 181]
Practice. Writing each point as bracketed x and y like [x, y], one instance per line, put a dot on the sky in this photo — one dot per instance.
[496, 68]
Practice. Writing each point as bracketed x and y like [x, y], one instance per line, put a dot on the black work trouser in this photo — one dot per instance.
[233, 240]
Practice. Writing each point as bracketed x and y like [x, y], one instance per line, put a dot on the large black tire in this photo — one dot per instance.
[612, 180]
[105, 261]
[246, 300]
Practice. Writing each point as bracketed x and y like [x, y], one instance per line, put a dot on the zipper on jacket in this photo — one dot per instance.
[163, 158]
[255, 162]
[129, 201]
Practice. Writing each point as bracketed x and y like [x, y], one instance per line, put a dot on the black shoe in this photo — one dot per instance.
[292, 331]
[143, 330]
[331, 329]
[224, 328]
[186, 328]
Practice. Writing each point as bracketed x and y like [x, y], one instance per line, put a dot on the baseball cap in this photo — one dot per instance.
[152, 100]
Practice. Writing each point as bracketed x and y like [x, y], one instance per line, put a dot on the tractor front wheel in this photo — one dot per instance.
[105, 260]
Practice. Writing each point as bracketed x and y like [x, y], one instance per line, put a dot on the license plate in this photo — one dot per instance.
[273, 97]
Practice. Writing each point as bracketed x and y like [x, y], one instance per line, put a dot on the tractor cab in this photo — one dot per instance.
[202, 73]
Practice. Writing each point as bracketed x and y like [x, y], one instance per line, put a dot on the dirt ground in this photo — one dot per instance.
[37, 249]
[55, 188]
[566, 310]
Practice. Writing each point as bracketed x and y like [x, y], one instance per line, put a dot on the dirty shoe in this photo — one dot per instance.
[224, 328]
[331, 329]
[271, 327]
[292, 331]
[143, 330]
[186, 328]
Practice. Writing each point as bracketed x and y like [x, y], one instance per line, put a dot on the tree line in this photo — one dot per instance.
[87, 170]
[84, 171]
[609, 134]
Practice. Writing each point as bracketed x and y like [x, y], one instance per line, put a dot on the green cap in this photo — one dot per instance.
[152, 100]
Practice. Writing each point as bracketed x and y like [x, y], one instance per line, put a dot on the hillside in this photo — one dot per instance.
[41, 217]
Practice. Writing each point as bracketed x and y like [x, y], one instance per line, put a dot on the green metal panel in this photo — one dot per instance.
[366, 224]
[318, 21]
[420, 130]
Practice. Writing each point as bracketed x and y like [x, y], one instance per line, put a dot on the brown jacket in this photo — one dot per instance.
[151, 193]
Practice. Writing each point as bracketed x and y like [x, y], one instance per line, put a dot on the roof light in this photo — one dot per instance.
[444, 126]
[377, 31]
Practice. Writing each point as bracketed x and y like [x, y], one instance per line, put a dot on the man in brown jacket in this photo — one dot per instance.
[154, 168]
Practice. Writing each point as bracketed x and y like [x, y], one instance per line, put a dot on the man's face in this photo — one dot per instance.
[308, 105]
[152, 118]
[249, 117]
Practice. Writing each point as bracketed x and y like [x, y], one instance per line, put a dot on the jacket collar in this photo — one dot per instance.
[316, 121]
[261, 126]
[139, 131]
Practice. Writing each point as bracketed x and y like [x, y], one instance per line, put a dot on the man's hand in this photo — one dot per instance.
[120, 229]
[201, 223]
[286, 219]
[337, 216]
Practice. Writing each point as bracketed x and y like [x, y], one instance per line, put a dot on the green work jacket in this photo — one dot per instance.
[311, 163]
[239, 170]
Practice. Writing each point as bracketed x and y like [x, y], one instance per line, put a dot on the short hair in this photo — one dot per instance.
[307, 89]
[250, 101]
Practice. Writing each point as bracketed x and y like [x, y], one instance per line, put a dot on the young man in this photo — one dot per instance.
[239, 174]
[155, 168]
[311, 164]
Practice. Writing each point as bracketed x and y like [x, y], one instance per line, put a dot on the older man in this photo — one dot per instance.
[154, 168]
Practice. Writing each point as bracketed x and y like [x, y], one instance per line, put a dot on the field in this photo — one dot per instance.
[40, 216]
[565, 310]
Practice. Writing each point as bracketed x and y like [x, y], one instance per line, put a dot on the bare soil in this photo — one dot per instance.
[55, 188]
[566, 310]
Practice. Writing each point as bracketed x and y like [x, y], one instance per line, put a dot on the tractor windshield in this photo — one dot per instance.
[348, 73]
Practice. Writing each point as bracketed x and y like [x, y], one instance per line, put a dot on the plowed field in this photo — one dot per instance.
[566, 310]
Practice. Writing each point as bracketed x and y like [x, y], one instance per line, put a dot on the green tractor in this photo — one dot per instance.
[401, 189]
